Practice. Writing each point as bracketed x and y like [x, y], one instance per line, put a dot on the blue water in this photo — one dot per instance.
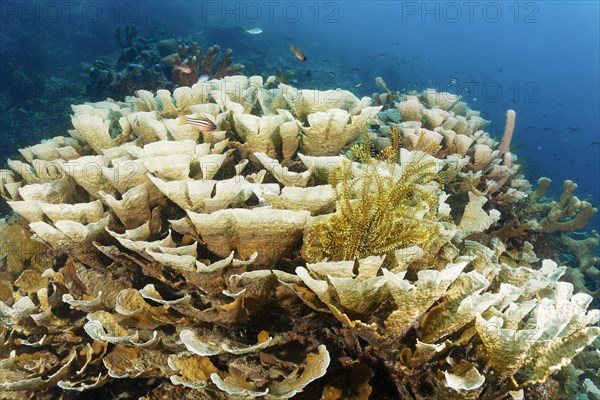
[539, 58]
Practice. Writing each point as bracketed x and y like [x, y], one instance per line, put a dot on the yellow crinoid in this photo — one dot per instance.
[381, 207]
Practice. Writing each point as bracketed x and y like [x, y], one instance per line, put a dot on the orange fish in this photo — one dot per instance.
[298, 53]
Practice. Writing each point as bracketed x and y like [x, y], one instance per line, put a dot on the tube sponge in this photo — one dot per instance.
[509, 127]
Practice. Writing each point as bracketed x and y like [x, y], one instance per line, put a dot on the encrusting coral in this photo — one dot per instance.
[256, 260]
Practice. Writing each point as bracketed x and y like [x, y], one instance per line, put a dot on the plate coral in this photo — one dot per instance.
[311, 246]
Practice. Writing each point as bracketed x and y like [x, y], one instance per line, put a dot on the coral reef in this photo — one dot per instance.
[546, 222]
[129, 39]
[151, 64]
[471, 162]
[276, 257]
[568, 214]
[283, 76]
[386, 99]
[189, 63]
[34, 104]
[137, 66]
[587, 267]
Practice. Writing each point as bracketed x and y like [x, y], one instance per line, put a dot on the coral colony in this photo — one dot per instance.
[156, 64]
[312, 245]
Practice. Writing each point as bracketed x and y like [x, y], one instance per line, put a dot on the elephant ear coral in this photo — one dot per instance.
[552, 333]
[275, 257]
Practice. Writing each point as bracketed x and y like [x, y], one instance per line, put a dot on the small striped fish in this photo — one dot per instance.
[203, 124]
